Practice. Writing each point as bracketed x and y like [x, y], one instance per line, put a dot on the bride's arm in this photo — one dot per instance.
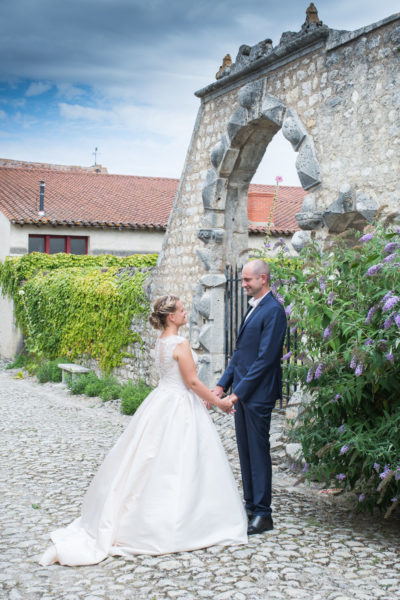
[183, 355]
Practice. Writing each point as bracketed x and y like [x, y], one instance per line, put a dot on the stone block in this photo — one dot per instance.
[211, 337]
[293, 129]
[309, 220]
[211, 259]
[218, 152]
[203, 305]
[213, 280]
[308, 203]
[273, 110]
[300, 239]
[228, 161]
[235, 125]
[214, 194]
[250, 94]
[366, 206]
[211, 235]
[307, 165]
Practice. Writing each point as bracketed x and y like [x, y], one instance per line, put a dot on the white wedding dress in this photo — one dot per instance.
[166, 486]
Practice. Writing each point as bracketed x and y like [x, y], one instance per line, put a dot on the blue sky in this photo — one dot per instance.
[120, 75]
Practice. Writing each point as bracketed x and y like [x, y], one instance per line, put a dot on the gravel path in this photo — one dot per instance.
[51, 443]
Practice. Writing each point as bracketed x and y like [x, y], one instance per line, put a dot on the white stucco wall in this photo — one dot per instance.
[4, 236]
[101, 241]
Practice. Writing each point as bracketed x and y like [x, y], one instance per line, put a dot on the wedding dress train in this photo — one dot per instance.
[166, 485]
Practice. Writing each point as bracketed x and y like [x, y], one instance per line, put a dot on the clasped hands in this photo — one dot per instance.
[226, 404]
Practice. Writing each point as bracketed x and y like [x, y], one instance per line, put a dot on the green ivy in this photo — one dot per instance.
[78, 306]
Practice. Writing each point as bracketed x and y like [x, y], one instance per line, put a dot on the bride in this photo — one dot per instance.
[166, 485]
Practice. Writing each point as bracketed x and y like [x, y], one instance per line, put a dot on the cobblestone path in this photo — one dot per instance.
[51, 444]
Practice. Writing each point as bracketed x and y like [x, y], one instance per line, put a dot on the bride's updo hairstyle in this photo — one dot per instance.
[164, 306]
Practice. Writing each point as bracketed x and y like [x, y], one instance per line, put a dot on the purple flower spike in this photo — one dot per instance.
[361, 497]
[322, 285]
[359, 369]
[309, 375]
[377, 467]
[288, 309]
[287, 355]
[279, 298]
[353, 362]
[294, 329]
[388, 323]
[330, 299]
[391, 247]
[374, 269]
[397, 474]
[397, 319]
[344, 449]
[318, 371]
[390, 303]
[390, 258]
[390, 357]
[370, 314]
[369, 342]
[341, 476]
[337, 397]
[385, 472]
[342, 428]
[367, 237]
[327, 333]
[305, 468]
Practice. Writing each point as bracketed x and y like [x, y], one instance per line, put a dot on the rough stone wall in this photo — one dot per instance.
[336, 97]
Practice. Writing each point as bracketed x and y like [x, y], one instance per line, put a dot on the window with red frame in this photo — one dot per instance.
[51, 244]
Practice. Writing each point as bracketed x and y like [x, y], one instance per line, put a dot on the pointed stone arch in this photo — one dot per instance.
[234, 160]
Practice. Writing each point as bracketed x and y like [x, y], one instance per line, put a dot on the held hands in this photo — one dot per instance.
[225, 404]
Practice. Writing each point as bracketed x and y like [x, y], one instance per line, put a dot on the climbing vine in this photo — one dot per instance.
[75, 306]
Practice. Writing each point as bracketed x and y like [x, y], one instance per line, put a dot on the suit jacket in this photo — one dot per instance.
[255, 369]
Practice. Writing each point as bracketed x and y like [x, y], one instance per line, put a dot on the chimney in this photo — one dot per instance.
[41, 212]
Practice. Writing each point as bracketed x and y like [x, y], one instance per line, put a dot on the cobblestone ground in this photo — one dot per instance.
[52, 443]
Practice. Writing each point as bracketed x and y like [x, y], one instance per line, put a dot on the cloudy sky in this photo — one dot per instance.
[120, 75]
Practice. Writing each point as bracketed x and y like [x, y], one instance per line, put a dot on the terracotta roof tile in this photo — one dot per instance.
[73, 197]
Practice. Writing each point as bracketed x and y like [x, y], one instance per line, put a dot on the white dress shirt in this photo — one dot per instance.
[254, 302]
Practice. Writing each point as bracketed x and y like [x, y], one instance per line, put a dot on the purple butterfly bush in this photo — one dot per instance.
[287, 355]
[391, 246]
[390, 258]
[353, 362]
[370, 314]
[397, 319]
[361, 497]
[390, 303]
[388, 323]
[288, 309]
[305, 468]
[369, 342]
[390, 357]
[327, 332]
[337, 397]
[374, 269]
[344, 449]
[385, 472]
[342, 429]
[330, 298]
[318, 371]
[310, 375]
[341, 477]
[367, 237]
[322, 285]
[377, 467]
[359, 369]
[397, 474]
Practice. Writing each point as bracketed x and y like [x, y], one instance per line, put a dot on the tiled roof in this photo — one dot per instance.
[85, 199]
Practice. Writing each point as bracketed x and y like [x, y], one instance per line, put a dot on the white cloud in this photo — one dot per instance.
[36, 88]
[76, 112]
[69, 91]
[3, 114]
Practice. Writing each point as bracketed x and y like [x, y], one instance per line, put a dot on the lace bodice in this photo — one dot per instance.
[167, 367]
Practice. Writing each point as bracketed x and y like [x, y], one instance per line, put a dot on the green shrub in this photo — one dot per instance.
[111, 389]
[78, 305]
[49, 371]
[78, 384]
[132, 395]
[344, 301]
[19, 362]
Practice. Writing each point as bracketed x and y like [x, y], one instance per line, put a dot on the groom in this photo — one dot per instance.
[256, 375]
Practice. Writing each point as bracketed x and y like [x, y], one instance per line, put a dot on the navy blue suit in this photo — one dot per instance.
[255, 372]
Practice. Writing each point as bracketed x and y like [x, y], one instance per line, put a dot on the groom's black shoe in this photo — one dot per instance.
[259, 524]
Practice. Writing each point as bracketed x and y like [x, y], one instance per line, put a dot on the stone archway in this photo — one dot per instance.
[234, 161]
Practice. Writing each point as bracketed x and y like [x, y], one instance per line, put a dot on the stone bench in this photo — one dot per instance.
[72, 369]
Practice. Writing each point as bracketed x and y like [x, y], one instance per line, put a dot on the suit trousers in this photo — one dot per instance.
[252, 424]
